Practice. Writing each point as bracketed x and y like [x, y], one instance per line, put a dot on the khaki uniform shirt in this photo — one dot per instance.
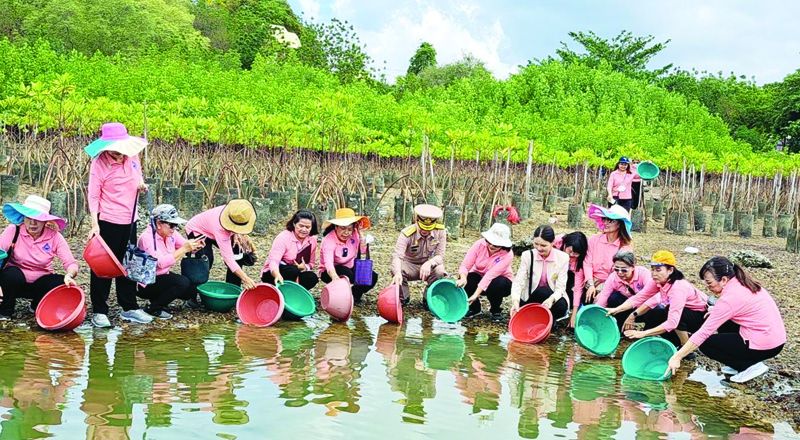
[413, 248]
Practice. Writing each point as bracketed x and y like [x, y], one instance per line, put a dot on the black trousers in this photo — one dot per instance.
[614, 300]
[117, 238]
[538, 296]
[636, 190]
[691, 321]
[727, 347]
[625, 203]
[208, 251]
[343, 271]
[498, 289]
[12, 280]
[167, 288]
[290, 272]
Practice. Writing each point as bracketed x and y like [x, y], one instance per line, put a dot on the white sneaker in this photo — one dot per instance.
[162, 314]
[750, 373]
[100, 320]
[138, 316]
[728, 371]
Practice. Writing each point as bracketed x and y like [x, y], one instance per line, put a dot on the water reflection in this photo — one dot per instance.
[365, 377]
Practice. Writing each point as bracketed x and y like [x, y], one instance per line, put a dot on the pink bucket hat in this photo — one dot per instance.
[115, 137]
[35, 207]
[615, 212]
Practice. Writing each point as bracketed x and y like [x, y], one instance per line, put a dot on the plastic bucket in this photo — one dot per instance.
[531, 324]
[101, 260]
[647, 358]
[447, 301]
[389, 305]
[297, 301]
[219, 296]
[595, 331]
[647, 170]
[260, 306]
[337, 299]
[62, 309]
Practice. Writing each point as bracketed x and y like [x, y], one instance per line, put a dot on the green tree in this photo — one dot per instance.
[342, 52]
[786, 111]
[424, 57]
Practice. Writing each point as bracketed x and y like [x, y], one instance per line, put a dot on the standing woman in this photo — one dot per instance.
[627, 280]
[115, 181]
[668, 305]
[744, 327]
[294, 252]
[486, 269]
[620, 184]
[542, 276]
[615, 236]
[636, 186]
[220, 227]
[575, 246]
[341, 245]
[31, 247]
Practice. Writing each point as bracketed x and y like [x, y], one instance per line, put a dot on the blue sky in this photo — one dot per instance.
[753, 38]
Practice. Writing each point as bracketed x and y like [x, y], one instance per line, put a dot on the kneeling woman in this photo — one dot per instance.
[168, 246]
[341, 244]
[293, 255]
[748, 325]
[627, 280]
[668, 305]
[542, 276]
[486, 269]
[31, 246]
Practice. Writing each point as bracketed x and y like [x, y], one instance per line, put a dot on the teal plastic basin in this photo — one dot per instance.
[447, 301]
[595, 331]
[647, 358]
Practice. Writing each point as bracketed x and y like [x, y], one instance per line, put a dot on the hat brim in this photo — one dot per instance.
[363, 222]
[174, 221]
[598, 213]
[496, 240]
[130, 146]
[229, 225]
[16, 213]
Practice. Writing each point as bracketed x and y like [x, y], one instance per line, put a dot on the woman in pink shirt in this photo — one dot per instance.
[31, 246]
[293, 255]
[748, 324]
[486, 270]
[168, 246]
[575, 246]
[341, 244]
[615, 226]
[115, 181]
[627, 280]
[668, 305]
[620, 184]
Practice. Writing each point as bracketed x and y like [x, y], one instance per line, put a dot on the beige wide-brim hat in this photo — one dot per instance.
[498, 235]
[346, 217]
[428, 211]
[238, 216]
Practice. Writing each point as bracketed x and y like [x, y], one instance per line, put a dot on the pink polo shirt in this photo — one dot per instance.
[164, 250]
[113, 188]
[207, 223]
[677, 295]
[641, 276]
[619, 178]
[489, 266]
[334, 252]
[599, 262]
[285, 248]
[577, 272]
[35, 257]
[759, 319]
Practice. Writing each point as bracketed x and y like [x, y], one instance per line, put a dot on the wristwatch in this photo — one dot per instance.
[635, 313]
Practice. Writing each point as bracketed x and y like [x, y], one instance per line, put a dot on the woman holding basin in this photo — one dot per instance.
[486, 269]
[620, 184]
[542, 276]
[293, 255]
[627, 280]
[32, 244]
[744, 327]
[341, 245]
[668, 305]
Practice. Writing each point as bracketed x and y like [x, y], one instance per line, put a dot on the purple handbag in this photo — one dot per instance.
[362, 269]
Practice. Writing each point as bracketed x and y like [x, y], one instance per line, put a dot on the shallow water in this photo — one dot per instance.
[340, 381]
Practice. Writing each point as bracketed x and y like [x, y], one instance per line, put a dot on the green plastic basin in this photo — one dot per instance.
[595, 331]
[219, 296]
[647, 170]
[447, 301]
[647, 358]
[298, 301]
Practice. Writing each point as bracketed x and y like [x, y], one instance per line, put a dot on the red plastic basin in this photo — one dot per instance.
[337, 299]
[101, 260]
[261, 306]
[389, 305]
[61, 309]
[531, 324]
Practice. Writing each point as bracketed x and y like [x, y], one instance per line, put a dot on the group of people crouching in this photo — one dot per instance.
[740, 325]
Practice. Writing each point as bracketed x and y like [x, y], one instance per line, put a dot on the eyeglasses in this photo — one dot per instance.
[622, 269]
[170, 225]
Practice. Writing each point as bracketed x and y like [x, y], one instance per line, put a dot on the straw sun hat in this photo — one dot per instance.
[238, 216]
[498, 235]
[346, 217]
